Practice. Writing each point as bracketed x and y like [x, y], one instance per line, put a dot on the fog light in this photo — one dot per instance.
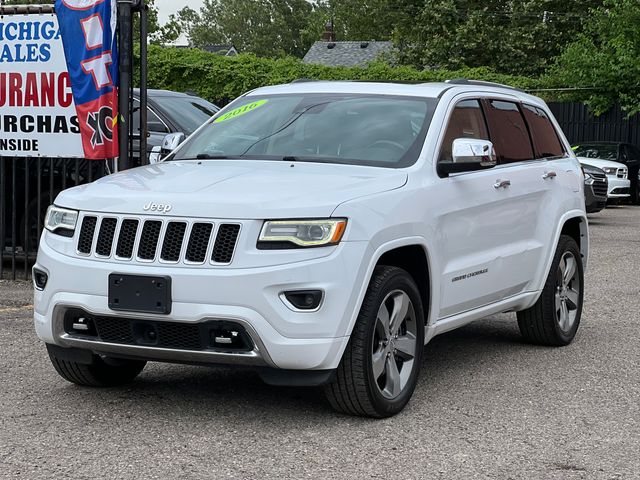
[40, 278]
[304, 299]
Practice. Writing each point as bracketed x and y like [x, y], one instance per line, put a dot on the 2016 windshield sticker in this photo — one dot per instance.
[236, 112]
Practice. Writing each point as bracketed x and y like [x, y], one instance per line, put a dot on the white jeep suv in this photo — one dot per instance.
[321, 233]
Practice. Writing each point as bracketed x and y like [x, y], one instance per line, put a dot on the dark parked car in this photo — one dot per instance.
[168, 112]
[621, 152]
[595, 188]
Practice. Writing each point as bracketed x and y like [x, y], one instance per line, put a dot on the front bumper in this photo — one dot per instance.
[283, 338]
[618, 187]
[593, 202]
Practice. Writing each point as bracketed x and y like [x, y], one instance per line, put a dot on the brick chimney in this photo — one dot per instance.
[329, 35]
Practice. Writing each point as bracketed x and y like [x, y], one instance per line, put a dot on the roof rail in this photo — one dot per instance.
[466, 81]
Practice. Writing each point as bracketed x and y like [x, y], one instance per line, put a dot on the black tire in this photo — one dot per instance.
[542, 323]
[99, 373]
[355, 390]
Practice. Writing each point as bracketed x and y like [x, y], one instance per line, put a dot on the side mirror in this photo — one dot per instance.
[171, 141]
[469, 154]
[156, 154]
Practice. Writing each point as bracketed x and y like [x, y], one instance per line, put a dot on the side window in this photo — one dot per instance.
[467, 121]
[509, 132]
[634, 153]
[546, 141]
[623, 155]
[154, 124]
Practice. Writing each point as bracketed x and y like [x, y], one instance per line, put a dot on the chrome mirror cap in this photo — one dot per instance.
[171, 141]
[473, 150]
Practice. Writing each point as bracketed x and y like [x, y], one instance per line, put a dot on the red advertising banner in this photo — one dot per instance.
[88, 29]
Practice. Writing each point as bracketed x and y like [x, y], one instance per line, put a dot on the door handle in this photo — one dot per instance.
[551, 175]
[501, 184]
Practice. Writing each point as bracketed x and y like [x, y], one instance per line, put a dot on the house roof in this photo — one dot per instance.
[348, 54]
[223, 49]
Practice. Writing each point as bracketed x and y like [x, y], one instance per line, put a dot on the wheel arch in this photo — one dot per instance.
[574, 224]
[577, 228]
[414, 260]
[398, 253]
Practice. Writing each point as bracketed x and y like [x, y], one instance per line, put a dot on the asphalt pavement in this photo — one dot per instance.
[487, 405]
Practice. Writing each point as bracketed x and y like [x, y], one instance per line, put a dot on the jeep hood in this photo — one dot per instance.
[238, 189]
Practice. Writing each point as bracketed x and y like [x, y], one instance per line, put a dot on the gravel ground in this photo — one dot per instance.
[487, 405]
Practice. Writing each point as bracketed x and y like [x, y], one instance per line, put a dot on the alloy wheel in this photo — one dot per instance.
[567, 291]
[394, 344]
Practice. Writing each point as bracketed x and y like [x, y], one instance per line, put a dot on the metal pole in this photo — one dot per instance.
[124, 45]
[144, 131]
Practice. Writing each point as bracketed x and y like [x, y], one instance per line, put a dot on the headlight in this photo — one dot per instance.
[61, 220]
[301, 233]
[610, 170]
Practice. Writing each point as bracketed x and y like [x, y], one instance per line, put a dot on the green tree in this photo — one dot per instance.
[605, 59]
[263, 27]
[354, 19]
[511, 36]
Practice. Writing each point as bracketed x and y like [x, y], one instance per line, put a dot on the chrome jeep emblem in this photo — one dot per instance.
[157, 207]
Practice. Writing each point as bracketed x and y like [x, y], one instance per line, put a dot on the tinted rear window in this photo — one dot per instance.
[509, 132]
[545, 138]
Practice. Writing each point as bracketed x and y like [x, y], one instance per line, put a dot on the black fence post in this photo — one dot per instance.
[144, 131]
[125, 27]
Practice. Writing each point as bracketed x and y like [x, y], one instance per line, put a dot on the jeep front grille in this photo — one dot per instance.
[153, 240]
[127, 238]
[225, 243]
[198, 242]
[85, 240]
[105, 236]
[600, 188]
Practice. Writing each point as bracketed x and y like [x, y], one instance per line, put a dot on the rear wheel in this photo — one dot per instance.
[555, 317]
[102, 372]
[379, 369]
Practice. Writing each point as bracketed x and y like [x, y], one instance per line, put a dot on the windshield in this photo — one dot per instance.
[604, 152]
[188, 112]
[377, 130]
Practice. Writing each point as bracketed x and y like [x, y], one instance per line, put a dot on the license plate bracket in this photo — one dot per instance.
[140, 293]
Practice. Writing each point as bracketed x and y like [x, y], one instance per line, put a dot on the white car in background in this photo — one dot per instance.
[617, 175]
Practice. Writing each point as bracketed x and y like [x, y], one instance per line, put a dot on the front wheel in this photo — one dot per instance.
[555, 317]
[380, 366]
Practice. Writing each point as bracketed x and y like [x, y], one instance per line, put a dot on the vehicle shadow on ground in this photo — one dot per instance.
[186, 392]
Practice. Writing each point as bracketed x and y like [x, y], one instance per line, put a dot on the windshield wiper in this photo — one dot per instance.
[209, 156]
